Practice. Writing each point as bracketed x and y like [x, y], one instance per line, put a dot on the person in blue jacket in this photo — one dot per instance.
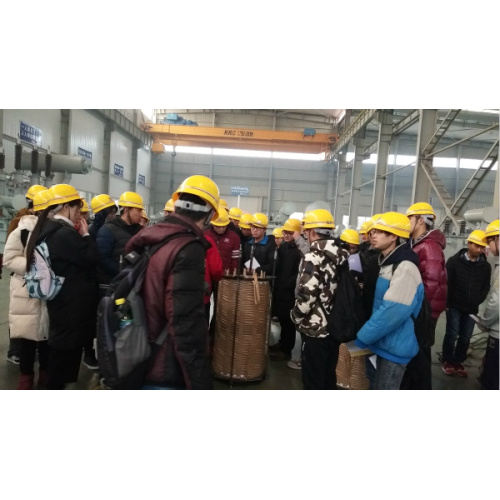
[399, 292]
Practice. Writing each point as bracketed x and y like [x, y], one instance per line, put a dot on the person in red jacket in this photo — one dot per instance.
[213, 271]
[428, 244]
[227, 242]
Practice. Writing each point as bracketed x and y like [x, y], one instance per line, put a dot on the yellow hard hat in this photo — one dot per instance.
[259, 220]
[203, 187]
[100, 202]
[478, 237]
[144, 215]
[40, 200]
[30, 194]
[245, 221]
[375, 217]
[319, 218]
[350, 236]
[223, 219]
[278, 232]
[492, 229]
[169, 206]
[223, 204]
[62, 193]
[292, 225]
[395, 223]
[131, 200]
[421, 208]
[235, 213]
[85, 207]
[365, 227]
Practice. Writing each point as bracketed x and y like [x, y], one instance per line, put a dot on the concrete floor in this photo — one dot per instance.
[279, 376]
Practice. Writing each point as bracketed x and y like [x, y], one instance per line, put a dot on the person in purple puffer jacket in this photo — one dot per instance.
[428, 244]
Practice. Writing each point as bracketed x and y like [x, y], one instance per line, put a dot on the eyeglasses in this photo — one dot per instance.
[287, 233]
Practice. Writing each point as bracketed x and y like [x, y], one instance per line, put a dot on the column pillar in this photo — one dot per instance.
[384, 143]
[339, 199]
[421, 189]
[357, 172]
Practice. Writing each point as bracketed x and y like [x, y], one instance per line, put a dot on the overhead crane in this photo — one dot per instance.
[235, 138]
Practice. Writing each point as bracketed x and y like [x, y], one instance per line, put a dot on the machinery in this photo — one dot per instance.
[31, 168]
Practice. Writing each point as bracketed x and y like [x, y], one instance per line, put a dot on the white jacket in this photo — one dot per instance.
[28, 318]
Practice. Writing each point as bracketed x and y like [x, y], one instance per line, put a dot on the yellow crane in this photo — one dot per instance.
[235, 138]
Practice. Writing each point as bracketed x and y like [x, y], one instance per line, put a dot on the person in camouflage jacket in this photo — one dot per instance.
[317, 285]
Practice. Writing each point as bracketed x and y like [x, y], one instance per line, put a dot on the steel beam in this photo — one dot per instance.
[357, 173]
[339, 198]
[441, 130]
[358, 124]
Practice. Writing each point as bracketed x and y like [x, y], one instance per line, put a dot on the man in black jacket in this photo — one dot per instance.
[258, 252]
[287, 269]
[468, 285]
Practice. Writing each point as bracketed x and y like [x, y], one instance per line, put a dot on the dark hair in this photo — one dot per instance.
[42, 219]
[30, 247]
[195, 216]
[30, 203]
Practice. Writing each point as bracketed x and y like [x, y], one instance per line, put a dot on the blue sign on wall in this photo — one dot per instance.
[240, 191]
[85, 153]
[118, 170]
[142, 180]
[30, 134]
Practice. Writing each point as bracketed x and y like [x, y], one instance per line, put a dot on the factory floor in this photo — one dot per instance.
[279, 376]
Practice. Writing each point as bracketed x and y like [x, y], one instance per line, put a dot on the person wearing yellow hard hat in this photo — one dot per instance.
[84, 212]
[278, 236]
[103, 210]
[311, 307]
[114, 234]
[258, 252]
[390, 331]
[74, 256]
[174, 287]
[469, 276]
[352, 239]
[244, 226]
[429, 244]
[489, 318]
[144, 219]
[169, 208]
[235, 214]
[223, 204]
[313, 302]
[28, 317]
[287, 268]
[30, 194]
[227, 242]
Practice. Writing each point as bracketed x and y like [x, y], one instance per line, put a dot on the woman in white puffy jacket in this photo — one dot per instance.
[28, 317]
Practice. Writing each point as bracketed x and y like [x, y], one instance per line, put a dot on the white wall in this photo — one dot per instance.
[144, 168]
[121, 154]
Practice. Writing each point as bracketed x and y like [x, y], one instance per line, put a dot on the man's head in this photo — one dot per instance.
[220, 224]
[30, 194]
[491, 234]
[244, 225]
[421, 217]
[351, 237]
[103, 202]
[84, 212]
[476, 244]
[258, 226]
[290, 227]
[198, 199]
[131, 207]
[363, 231]
[387, 231]
[169, 207]
[278, 236]
[144, 219]
[318, 224]
[235, 215]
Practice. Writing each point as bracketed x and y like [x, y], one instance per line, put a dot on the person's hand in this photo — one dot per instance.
[83, 227]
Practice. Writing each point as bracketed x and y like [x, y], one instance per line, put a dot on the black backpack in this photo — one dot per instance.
[125, 354]
[423, 323]
[347, 315]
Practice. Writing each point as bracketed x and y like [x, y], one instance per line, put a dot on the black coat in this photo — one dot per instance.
[263, 252]
[468, 282]
[287, 269]
[72, 312]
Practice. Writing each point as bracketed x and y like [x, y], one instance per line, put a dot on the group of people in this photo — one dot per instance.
[397, 259]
